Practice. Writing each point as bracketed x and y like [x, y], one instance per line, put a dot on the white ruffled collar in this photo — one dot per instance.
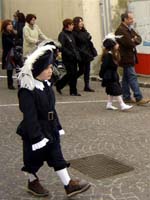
[39, 84]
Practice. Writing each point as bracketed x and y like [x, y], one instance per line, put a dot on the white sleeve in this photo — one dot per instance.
[40, 144]
[61, 132]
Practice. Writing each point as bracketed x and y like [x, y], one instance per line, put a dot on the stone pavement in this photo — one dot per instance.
[90, 130]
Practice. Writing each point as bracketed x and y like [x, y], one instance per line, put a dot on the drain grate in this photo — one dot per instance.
[99, 166]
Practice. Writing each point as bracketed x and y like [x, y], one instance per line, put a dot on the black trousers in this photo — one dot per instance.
[51, 153]
[10, 77]
[84, 69]
[70, 78]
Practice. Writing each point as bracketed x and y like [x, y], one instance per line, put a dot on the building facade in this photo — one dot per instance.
[50, 14]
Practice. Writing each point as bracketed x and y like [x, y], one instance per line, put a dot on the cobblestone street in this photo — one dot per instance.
[90, 129]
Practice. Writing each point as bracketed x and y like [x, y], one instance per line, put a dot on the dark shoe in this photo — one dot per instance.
[11, 87]
[75, 94]
[89, 90]
[37, 189]
[143, 101]
[75, 187]
[58, 90]
[129, 101]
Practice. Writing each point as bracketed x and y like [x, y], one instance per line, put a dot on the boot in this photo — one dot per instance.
[143, 101]
[37, 189]
[75, 187]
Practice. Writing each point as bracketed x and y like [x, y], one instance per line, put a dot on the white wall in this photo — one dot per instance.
[50, 14]
[92, 19]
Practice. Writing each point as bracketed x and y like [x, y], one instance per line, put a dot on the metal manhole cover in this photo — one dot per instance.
[99, 166]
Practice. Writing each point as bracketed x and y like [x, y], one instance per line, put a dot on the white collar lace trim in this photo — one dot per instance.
[39, 84]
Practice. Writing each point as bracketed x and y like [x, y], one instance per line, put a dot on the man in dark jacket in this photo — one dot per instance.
[70, 57]
[128, 42]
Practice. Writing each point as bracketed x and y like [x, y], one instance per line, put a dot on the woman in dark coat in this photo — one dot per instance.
[8, 43]
[40, 128]
[109, 74]
[70, 57]
[86, 50]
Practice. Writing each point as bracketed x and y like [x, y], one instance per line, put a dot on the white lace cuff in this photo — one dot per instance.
[40, 144]
[61, 132]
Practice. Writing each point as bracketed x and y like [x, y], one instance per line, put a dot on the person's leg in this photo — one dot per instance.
[72, 187]
[87, 87]
[33, 160]
[10, 79]
[56, 160]
[80, 72]
[123, 106]
[109, 105]
[73, 79]
[125, 85]
[133, 82]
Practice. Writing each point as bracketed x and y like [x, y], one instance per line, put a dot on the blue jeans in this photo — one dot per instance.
[129, 80]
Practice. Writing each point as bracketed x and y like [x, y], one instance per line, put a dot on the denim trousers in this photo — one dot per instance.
[129, 81]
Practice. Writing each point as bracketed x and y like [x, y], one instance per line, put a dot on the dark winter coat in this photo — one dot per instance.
[108, 70]
[85, 45]
[7, 45]
[127, 46]
[109, 75]
[69, 48]
[19, 36]
[40, 118]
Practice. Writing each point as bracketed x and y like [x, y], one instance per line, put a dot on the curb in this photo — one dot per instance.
[141, 84]
[145, 85]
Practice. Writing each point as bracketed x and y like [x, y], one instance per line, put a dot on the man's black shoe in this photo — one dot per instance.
[75, 94]
[11, 87]
[89, 90]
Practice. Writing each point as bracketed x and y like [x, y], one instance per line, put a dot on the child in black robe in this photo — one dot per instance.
[40, 128]
[108, 73]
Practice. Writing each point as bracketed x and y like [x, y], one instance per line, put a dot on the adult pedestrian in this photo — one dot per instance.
[8, 43]
[32, 35]
[40, 127]
[20, 23]
[70, 58]
[128, 42]
[86, 49]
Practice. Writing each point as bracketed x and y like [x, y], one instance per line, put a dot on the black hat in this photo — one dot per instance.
[42, 63]
[109, 44]
[34, 65]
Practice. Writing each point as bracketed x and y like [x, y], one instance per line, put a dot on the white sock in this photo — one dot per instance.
[32, 177]
[120, 100]
[64, 176]
[109, 101]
